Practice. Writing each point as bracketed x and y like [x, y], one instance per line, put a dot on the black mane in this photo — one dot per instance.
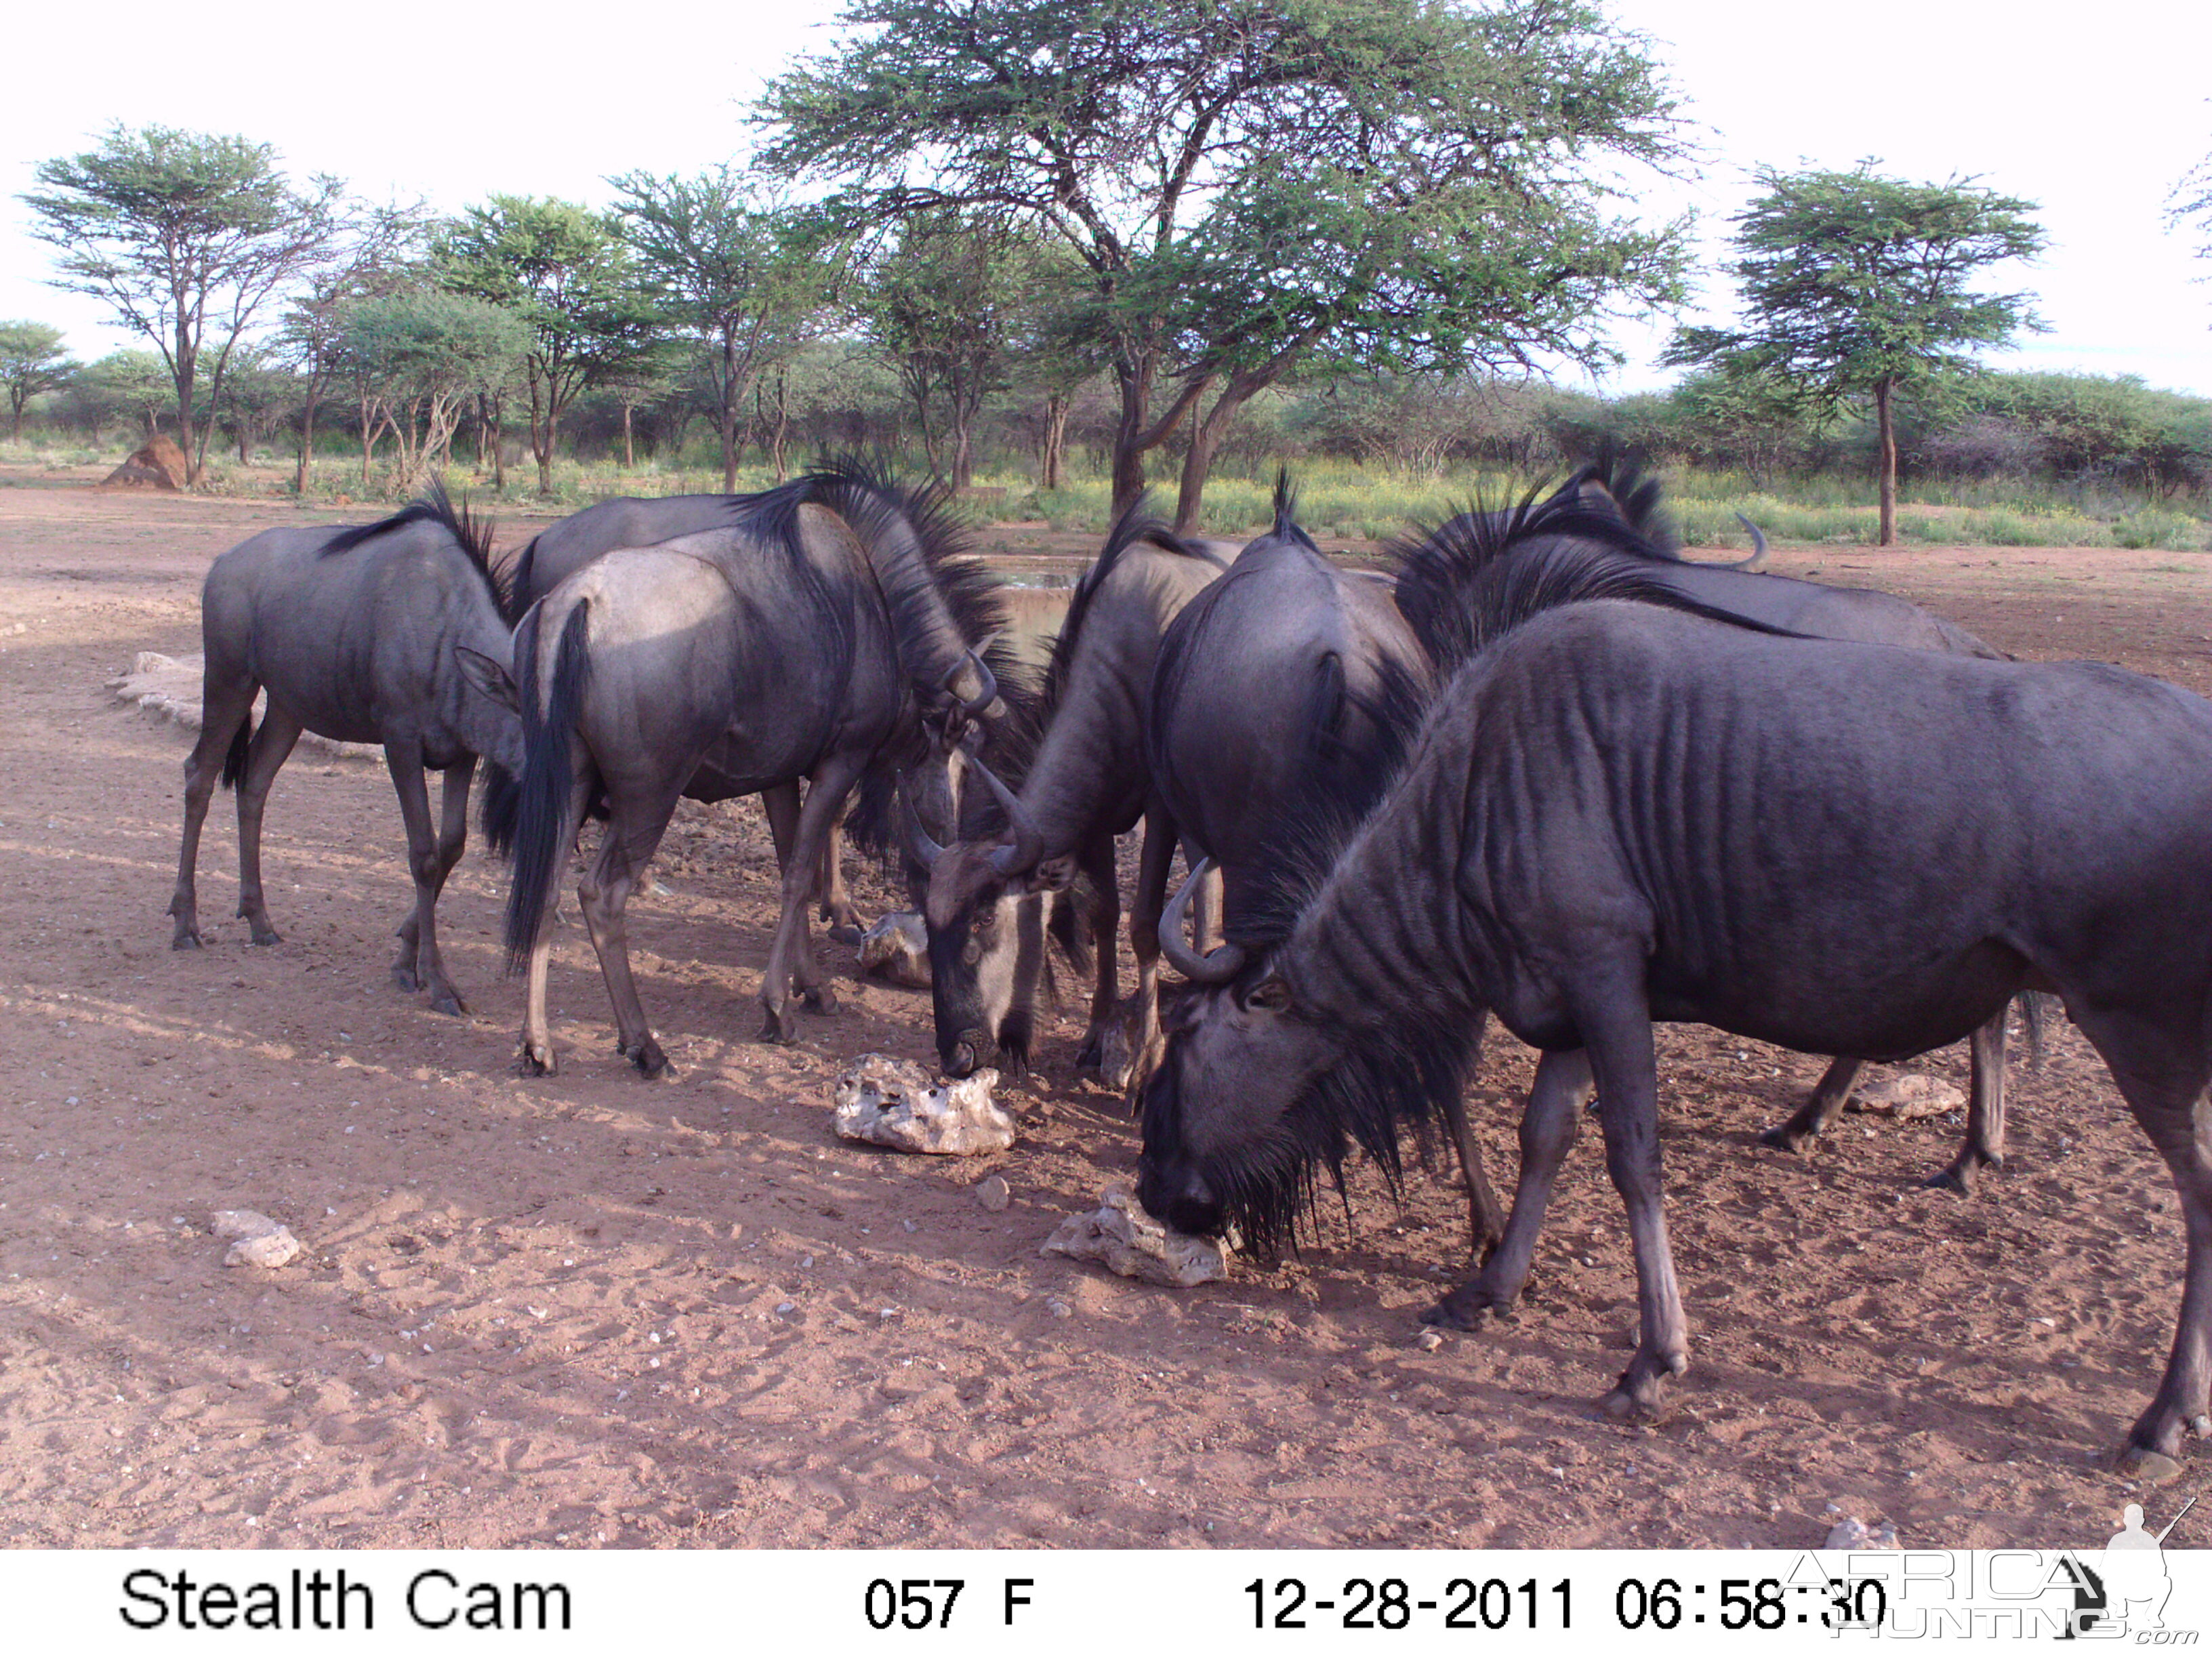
[435, 507]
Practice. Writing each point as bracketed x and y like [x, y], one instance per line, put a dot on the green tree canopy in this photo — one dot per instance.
[422, 355]
[567, 274]
[734, 262]
[32, 360]
[1855, 286]
[1251, 181]
[187, 235]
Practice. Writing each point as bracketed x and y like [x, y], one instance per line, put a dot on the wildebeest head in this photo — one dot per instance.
[1268, 1080]
[986, 923]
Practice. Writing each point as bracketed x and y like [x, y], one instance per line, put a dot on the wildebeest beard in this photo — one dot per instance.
[1389, 1078]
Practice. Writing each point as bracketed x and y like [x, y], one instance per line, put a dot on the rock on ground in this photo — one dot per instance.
[895, 1102]
[897, 949]
[1911, 1095]
[1124, 1238]
[1852, 1533]
[259, 1241]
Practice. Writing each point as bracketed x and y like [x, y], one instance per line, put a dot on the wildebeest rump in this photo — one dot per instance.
[1615, 814]
[816, 637]
[353, 632]
[1438, 570]
[1089, 781]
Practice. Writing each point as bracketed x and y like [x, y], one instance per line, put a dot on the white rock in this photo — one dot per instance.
[261, 1243]
[897, 949]
[993, 1194]
[1852, 1533]
[1911, 1095]
[170, 686]
[1122, 1236]
[895, 1102]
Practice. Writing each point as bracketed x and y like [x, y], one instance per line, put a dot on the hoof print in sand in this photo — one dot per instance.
[1126, 1239]
[896, 1104]
[259, 1242]
[1913, 1095]
[897, 949]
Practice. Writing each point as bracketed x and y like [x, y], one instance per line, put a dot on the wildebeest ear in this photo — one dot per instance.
[1055, 875]
[489, 676]
[1596, 494]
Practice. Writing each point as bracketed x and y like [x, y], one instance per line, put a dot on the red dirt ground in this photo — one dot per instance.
[593, 1311]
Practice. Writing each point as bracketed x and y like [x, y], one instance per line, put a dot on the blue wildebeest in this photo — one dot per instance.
[820, 634]
[1614, 814]
[560, 550]
[1088, 783]
[352, 632]
[1286, 681]
[1435, 571]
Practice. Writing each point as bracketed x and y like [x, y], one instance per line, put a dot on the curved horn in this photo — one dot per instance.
[973, 706]
[1027, 845]
[1758, 559]
[917, 838]
[1217, 966]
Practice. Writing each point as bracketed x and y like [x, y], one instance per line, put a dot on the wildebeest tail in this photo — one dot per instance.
[2035, 1010]
[541, 831]
[233, 759]
[502, 807]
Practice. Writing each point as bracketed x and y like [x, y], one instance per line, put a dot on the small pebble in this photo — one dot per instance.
[1058, 1309]
[1429, 1341]
[993, 1194]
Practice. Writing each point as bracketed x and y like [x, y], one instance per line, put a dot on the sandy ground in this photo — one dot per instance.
[594, 1311]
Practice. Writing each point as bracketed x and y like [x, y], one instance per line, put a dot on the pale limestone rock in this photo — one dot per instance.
[1909, 1094]
[1122, 1237]
[895, 1102]
[259, 1241]
[897, 949]
[993, 1194]
[1852, 1533]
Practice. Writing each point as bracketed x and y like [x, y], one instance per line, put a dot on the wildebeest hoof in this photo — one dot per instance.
[1464, 1309]
[1786, 1138]
[185, 939]
[449, 1002]
[846, 932]
[535, 1062]
[1623, 1407]
[649, 1059]
[1963, 1176]
[403, 979]
[265, 934]
[819, 998]
[778, 1027]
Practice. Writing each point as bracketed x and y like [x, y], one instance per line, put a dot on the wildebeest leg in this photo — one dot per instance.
[2162, 1077]
[1985, 1145]
[825, 798]
[223, 709]
[534, 1056]
[1484, 1219]
[837, 903]
[1829, 1096]
[781, 802]
[1548, 1126]
[633, 831]
[271, 744]
[419, 965]
[1141, 1013]
[1097, 863]
[1615, 1022]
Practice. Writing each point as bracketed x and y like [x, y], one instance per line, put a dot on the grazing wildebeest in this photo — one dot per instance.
[1286, 681]
[1436, 570]
[1615, 813]
[353, 633]
[820, 634]
[1088, 783]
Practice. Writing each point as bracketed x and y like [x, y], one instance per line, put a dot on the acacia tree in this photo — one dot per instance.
[186, 236]
[2191, 201]
[1250, 181]
[32, 361]
[1856, 286]
[421, 357]
[375, 252]
[752, 278]
[567, 273]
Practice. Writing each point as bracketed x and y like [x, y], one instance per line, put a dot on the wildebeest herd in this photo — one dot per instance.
[1544, 769]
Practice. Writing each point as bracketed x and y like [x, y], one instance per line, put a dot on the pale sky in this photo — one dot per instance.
[2094, 113]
